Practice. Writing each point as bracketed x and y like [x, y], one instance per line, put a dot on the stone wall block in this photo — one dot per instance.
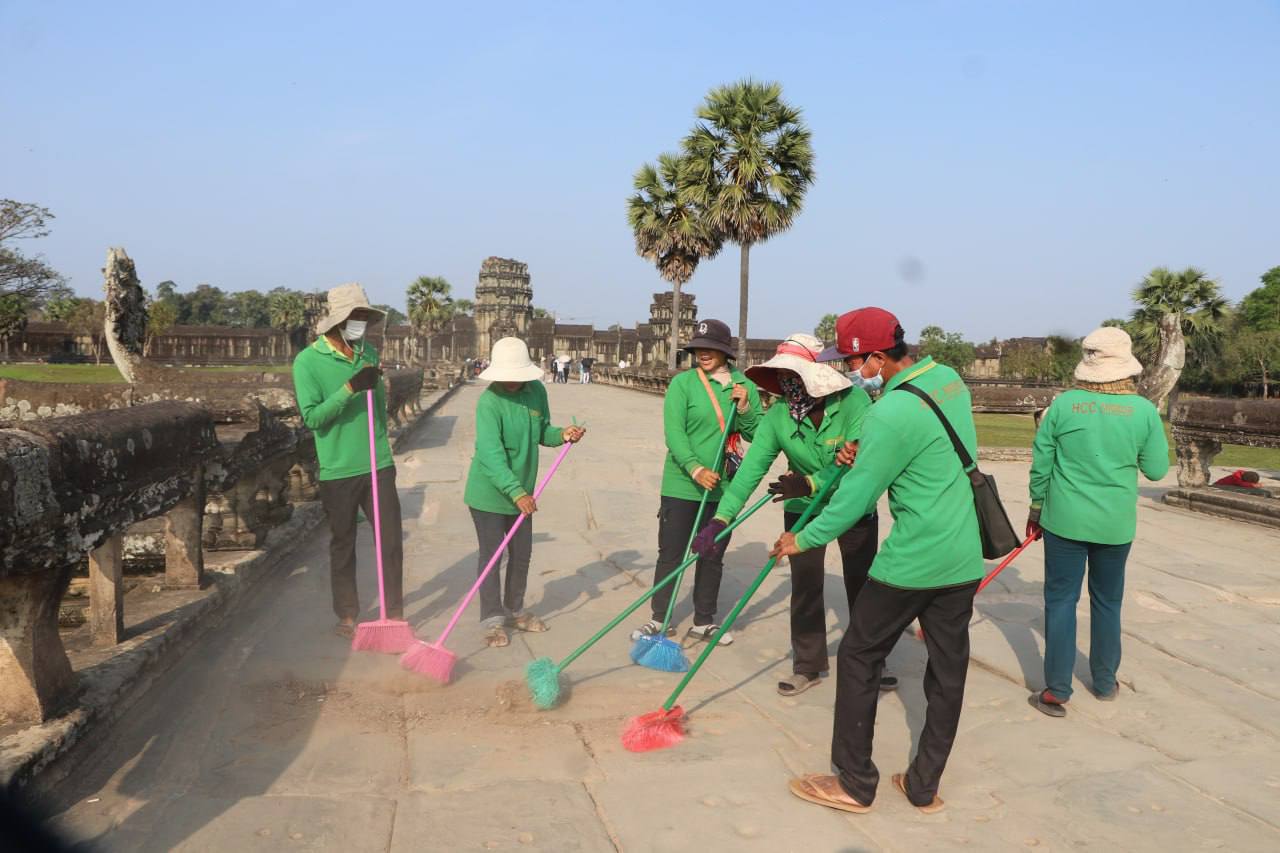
[184, 550]
[35, 675]
[106, 592]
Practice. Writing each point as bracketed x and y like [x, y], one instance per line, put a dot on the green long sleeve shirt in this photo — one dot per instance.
[337, 418]
[693, 431]
[1085, 463]
[808, 449]
[905, 450]
[510, 427]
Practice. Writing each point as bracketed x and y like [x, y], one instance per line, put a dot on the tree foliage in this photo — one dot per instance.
[1260, 309]
[20, 275]
[430, 305]
[87, 319]
[825, 331]
[395, 317]
[950, 348]
[14, 308]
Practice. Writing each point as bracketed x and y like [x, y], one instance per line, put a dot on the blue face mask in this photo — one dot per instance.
[875, 383]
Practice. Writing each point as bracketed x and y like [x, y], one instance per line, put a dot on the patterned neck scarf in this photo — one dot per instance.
[797, 397]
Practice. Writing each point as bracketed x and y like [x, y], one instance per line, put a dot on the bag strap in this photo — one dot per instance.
[963, 452]
[712, 394]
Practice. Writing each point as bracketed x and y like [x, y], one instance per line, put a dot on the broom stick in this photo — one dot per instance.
[1004, 564]
[751, 590]
[697, 519]
[673, 577]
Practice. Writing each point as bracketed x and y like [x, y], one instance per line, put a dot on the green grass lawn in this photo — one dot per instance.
[1019, 431]
[99, 373]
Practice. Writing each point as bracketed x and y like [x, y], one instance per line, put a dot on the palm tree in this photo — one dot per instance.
[825, 331]
[1174, 309]
[751, 162]
[429, 305]
[671, 230]
[287, 312]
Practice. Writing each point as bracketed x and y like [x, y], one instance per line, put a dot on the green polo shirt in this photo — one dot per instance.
[1087, 454]
[905, 450]
[510, 426]
[808, 449]
[693, 431]
[338, 418]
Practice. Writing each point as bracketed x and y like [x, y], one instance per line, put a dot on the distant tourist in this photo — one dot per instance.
[330, 379]
[585, 364]
[822, 413]
[622, 364]
[694, 415]
[928, 569]
[1240, 479]
[1091, 444]
[512, 421]
[562, 369]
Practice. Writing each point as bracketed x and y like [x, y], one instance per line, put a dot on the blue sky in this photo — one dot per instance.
[995, 168]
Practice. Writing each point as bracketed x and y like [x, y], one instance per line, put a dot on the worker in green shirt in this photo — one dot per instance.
[330, 379]
[818, 412]
[927, 569]
[513, 420]
[694, 413]
[1089, 448]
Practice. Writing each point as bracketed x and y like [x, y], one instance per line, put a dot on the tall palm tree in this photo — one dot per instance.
[671, 230]
[751, 162]
[429, 305]
[1174, 309]
[287, 312]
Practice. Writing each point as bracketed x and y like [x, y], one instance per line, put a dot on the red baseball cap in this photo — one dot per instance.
[861, 331]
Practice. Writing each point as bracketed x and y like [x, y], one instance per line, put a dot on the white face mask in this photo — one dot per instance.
[355, 329]
[875, 383]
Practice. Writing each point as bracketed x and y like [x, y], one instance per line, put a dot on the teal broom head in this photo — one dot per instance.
[543, 677]
[659, 653]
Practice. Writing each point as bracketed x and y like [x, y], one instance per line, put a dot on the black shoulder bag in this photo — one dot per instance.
[998, 537]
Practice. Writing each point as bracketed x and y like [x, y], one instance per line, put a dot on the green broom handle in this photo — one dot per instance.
[751, 590]
[702, 505]
[679, 570]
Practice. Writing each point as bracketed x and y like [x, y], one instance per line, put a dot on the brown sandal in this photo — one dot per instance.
[528, 622]
[900, 782]
[496, 637]
[346, 630]
[808, 788]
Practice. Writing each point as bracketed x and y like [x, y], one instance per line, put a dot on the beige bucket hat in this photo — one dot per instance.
[344, 299]
[510, 362]
[798, 353]
[1108, 356]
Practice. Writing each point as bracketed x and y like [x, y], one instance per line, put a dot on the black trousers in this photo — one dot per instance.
[880, 615]
[491, 527]
[341, 499]
[808, 604]
[675, 525]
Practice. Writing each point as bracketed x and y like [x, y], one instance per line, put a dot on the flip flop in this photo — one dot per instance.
[900, 782]
[346, 630]
[806, 788]
[496, 637]
[530, 623]
[1050, 709]
[797, 684]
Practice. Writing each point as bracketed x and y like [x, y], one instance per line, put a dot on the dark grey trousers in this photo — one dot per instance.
[495, 604]
[341, 500]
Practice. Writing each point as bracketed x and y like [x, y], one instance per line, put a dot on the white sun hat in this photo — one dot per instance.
[1108, 356]
[342, 300]
[510, 362]
[798, 353]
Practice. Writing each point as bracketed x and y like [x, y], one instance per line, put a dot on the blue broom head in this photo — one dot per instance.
[543, 677]
[659, 653]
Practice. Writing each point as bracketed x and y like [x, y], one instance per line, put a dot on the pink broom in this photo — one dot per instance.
[433, 659]
[384, 635]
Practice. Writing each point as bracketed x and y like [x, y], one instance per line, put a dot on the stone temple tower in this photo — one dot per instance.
[504, 302]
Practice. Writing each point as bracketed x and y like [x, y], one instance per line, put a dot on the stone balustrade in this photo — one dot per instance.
[1200, 427]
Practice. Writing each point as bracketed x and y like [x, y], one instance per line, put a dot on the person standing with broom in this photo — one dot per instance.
[513, 419]
[928, 569]
[331, 379]
[818, 413]
[694, 415]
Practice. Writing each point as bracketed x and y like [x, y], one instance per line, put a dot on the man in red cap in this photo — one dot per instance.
[927, 569]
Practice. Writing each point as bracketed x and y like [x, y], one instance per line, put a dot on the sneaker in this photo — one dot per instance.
[652, 628]
[706, 632]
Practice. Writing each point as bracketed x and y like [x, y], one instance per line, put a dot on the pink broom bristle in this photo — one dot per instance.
[656, 730]
[430, 660]
[391, 636]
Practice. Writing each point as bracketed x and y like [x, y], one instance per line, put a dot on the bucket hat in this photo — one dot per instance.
[1108, 356]
[510, 362]
[799, 353]
[712, 334]
[861, 331]
[342, 300]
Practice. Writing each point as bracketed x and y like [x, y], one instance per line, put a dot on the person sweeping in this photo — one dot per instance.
[513, 419]
[928, 569]
[1091, 444]
[331, 379]
[694, 416]
[817, 414]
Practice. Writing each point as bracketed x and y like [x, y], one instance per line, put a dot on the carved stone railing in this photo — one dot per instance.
[652, 381]
[72, 486]
[1200, 427]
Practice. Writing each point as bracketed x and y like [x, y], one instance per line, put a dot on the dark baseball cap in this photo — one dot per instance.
[861, 331]
[712, 334]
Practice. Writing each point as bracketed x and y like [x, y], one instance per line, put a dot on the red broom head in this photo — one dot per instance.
[392, 636]
[430, 660]
[655, 730]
